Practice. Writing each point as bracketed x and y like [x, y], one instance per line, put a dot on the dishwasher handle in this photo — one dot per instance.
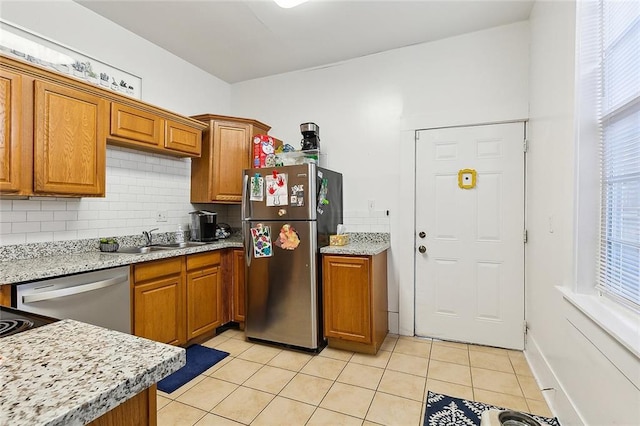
[68, 291]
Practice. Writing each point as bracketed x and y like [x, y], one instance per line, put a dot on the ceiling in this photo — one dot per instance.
[238, 40]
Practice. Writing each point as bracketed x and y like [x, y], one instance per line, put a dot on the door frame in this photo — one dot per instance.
[415, 244]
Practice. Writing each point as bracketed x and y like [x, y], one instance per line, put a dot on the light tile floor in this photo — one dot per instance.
[260, 384]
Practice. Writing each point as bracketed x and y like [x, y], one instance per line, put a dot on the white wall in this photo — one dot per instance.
[138, 184]
[368, 109]
[570, 354]
[167, 81]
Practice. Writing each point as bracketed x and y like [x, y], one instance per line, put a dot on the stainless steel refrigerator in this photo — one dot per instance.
[288, 214]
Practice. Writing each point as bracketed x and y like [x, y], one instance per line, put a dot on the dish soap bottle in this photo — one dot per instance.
[179, 234]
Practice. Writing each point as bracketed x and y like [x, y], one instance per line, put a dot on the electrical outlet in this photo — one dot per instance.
[161, 216]
[372, 205]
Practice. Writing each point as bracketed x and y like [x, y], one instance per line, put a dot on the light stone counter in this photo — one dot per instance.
[54, 265]
[70, 373]
[362, 244]
[30, 262]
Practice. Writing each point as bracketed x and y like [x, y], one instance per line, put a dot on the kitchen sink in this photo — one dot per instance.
[158, 247]
[180, 245]
[141, 250]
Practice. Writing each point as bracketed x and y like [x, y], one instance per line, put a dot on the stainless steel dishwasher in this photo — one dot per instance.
[100, 298]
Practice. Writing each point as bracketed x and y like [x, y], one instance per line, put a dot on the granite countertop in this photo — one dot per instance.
[70, 373]
[362, 244]
[48, 266]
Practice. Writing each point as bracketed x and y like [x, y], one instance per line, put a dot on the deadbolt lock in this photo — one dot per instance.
[422, 234]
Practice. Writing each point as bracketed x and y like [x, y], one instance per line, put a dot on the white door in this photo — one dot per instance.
[470, 242]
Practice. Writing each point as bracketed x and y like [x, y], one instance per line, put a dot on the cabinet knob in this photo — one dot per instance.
[422, 249]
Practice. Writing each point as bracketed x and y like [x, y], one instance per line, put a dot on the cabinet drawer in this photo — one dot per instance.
[136, 125]
[157, 268]
[179, 137]
[199, 260]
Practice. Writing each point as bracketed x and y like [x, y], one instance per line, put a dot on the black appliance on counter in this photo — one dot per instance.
[13, 321]
[203, 226]
[310, 136]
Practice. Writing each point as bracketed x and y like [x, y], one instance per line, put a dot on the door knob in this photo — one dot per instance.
[422, 234]
[422, 249]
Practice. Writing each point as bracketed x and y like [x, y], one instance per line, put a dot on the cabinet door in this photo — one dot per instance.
[347, 298]
[69, 141]
[230, 157]
[10, 131]
[159, 310]
[238, 285]
[136, 125]
[179, 137]
[204, 301]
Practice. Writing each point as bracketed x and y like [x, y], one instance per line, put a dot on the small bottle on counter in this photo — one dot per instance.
[179, 234]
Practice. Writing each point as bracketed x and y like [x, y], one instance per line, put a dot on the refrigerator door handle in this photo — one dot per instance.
[247, 245]
[245, 182]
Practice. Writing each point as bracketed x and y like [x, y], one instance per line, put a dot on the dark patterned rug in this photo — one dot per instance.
[443, 410]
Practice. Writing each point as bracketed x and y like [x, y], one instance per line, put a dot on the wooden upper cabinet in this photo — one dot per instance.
[69, 141]
[179, 137]
[137, 128]
[136, 125]
[226, 151]
[10, 132]
[229, 160]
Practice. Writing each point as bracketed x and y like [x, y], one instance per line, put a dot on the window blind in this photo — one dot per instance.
[619, 120]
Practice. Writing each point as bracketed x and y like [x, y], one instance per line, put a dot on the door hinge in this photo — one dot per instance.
[525, 145]
[525, 236]
[525, 328]
[417, 136]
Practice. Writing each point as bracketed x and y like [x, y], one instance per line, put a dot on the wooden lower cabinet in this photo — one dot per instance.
[204, 293]
[159, 300]
[179, 299]
[237, 280]
[355, 301]
[5, 295]
[141, 410]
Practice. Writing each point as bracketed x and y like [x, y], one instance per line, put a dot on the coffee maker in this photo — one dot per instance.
[310, 136]
[203, 225]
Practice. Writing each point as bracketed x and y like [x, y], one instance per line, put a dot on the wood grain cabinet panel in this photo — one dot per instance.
[178, 300]
[159, 300]
[355, 301]
[347, 298]
[226, 151]
[10, 131]
[140, 410]
[69, 141]
[179, 137]
[237, 277]
[204, 293]
[136, 125]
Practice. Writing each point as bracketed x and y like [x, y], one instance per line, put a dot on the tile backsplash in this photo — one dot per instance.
[139, 186]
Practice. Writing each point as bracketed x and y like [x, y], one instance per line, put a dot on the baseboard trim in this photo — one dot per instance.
[554, 394]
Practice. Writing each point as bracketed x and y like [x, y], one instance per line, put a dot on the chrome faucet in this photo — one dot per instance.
[148, 237]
